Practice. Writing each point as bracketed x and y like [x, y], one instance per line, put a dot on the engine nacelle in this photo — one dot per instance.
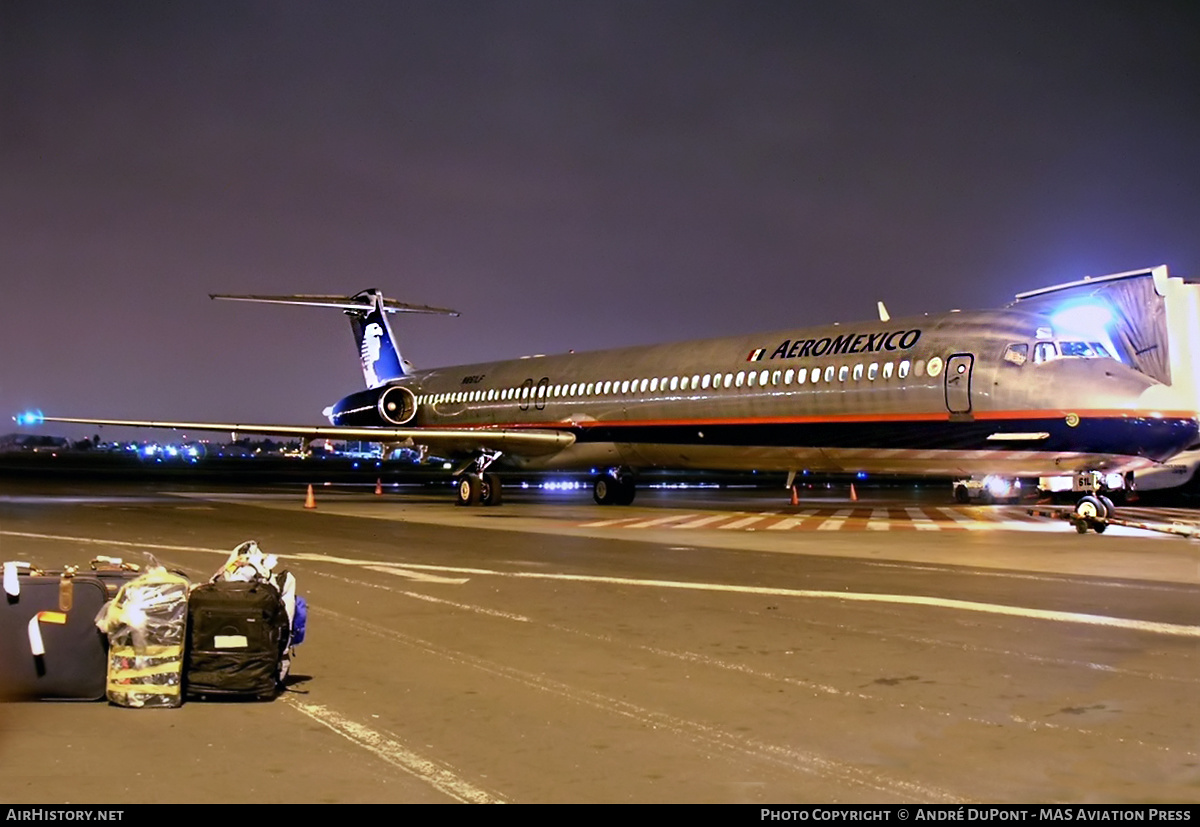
[389, 405]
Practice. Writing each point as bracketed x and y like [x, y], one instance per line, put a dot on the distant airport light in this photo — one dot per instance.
[29, 418]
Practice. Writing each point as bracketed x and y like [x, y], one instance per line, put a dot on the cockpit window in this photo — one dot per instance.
[1086, 350]
[1016, 354]
[1044, 352]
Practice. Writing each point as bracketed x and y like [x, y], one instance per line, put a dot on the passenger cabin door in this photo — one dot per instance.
[958, 383]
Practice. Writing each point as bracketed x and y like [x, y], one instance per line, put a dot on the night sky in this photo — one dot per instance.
[566, 174]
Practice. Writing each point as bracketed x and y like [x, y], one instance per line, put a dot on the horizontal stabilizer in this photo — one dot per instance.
[341, 302]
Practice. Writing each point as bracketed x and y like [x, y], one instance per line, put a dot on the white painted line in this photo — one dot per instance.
[703, 521]
[921, 520]
[398, 755]
[1174, 629]
[604, 523]
[745, 521]
[466, 607]
[123, 543]
[791, 522]
[961, 519]
[835, 522]
[420, 577]
[879, 520]
[660, 521]
[1156, 627]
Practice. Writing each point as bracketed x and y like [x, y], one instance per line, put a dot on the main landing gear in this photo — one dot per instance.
[1093, 511]
[478, 487]
[614, 487]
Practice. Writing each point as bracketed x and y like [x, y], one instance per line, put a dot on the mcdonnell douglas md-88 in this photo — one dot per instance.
[1074, 378]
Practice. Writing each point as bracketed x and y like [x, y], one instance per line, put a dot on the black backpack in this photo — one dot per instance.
[237, 635]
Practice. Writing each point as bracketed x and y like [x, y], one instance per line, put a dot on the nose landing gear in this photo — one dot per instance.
[1093, 511]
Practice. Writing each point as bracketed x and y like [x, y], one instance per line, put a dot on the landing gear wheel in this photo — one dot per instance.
[490, 491]
[625, 491]
[1091, 512]
[962, 495]
[1110, 509]
[1090, 508]
[604, 490]
[469, 490]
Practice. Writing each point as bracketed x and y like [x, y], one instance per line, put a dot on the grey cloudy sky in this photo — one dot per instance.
[568, 175]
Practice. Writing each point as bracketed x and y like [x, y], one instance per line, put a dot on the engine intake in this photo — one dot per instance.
[397, 405]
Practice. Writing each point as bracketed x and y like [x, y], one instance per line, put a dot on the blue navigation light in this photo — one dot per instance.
[28, 419]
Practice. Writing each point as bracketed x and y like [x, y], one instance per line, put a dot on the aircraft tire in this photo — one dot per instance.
[604, 490]
[1109, 508]
[626, 491]
[468, 490]
[1090, 508]
[962, 495]
[490, 493]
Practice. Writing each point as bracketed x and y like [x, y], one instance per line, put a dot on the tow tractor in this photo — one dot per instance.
[1095, 510]
[1092, 512]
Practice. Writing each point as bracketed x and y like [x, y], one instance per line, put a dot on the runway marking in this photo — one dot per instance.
[962, 519]
[707, 736]
[123, 543]
[658, 521]
[745, 521]
[879, 520]
[922, 522]
[703, 521]
[792, 522]
[911, 518]
[1154, 627]
[411, 575]
[836, 521]
[396, 754]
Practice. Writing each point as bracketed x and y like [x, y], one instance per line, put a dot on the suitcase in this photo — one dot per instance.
[50, 648]
[237, 634]
[113, 572]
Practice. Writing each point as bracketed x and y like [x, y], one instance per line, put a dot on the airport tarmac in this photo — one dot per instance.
[698, 646]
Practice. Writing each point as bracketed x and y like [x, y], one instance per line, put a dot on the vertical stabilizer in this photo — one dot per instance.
[381, 360]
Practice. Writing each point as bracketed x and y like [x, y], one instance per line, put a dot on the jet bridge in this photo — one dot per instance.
[1150, 318]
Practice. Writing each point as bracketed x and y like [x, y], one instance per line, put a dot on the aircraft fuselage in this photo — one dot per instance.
[958, 393]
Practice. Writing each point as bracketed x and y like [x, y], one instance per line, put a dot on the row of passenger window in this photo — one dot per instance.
[715, 381]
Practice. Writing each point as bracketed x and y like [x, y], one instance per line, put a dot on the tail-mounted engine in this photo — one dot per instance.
[386, 406]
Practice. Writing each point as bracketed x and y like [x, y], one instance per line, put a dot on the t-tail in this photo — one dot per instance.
[377, 350]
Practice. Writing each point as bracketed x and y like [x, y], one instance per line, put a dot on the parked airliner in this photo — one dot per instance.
[1014, 391]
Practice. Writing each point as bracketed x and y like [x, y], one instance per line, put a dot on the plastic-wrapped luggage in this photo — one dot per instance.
[147, 626]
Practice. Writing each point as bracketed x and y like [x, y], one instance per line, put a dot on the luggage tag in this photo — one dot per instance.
[35, 632]
[12, 581]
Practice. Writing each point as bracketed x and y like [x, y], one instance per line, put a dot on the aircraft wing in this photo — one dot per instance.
[526, 442]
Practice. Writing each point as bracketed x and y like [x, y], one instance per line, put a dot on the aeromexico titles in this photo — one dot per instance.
[957, 394]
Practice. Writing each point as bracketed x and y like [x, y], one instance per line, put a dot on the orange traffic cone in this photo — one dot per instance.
[795, 496]
[853, 494]
[310, 501]
[378, 487]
